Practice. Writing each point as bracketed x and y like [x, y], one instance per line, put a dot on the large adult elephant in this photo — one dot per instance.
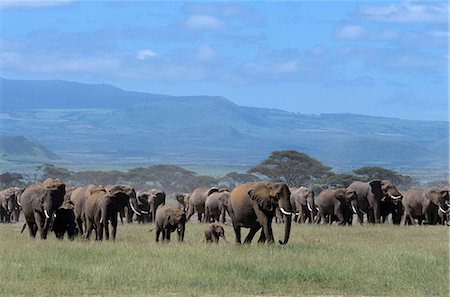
[168, 219]
[102, 207]
[370, 195]
[149, 200]
[197, 202]
[302, 201]
[39, 203]
[335, 203]
[419, 203]
[216, 206]
[9, 204]
[252, 205]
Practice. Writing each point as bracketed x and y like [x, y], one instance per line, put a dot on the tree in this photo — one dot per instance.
[338, 180]
[11, 179]
[292, 167]
[233, 179]
[375, 172]
[51, 171]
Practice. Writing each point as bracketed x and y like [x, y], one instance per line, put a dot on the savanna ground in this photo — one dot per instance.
[381, 260]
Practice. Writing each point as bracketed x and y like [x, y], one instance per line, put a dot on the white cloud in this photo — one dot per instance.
[350, 32]
[145, 54]
[407, 12]
[204, 22]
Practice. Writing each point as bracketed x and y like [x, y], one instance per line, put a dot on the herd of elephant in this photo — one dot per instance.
[50, 206]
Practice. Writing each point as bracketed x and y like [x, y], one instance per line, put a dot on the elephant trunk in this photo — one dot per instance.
[287, 229]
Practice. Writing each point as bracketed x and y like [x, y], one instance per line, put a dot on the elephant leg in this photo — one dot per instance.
[222, 215]
[40, 223]
[318, 217]
[32, 229]
[99, 228]
[158, 232]
[251, 234]
[114, 227]
[168, 235]
[106, 226]
[262, 238]
[376, 213]
[80, 225]
[89, 227]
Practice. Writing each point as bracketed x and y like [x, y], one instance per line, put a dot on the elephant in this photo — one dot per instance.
[426, 203]
[252, 205]
[302, 201]
[168, 219]
[65, 221]
[370, 195]
[102, 207]
[9, 204]
[183, 200]
[335, 203]
[213, 231]
[39, 203]
[79, 196]
[197, 202]
[149, 200]
[216, 205]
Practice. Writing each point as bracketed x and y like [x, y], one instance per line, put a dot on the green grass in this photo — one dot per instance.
[318, 260]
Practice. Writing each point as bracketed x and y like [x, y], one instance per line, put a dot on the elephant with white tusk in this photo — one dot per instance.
[252, 205]
[370, 197]
[39, 204]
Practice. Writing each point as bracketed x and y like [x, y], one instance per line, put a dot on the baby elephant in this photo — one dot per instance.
[213, 232]
[168, 219]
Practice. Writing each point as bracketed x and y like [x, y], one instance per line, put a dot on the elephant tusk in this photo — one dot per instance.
[309, 207]
[354, 209]
[46, 214]
[134, 210]
[444, 211]
[285, 212]
[18, 202]
[396, 197]
[317, 208]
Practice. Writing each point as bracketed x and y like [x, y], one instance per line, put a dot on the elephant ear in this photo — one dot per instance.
[375, 186]
[262, 197]
[340, 194]
[278, 190]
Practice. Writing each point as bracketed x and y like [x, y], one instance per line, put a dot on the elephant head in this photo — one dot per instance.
[268, 196]
[439, 197]
[56, 190]
[126, 196]
[218, 231]
[386, 189]
[345, 195]
[183, 200]
[151, 199]
[307, 198]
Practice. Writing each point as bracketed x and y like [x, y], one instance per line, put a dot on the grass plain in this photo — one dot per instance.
[382, 260]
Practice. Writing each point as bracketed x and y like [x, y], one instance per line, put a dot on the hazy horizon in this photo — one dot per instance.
[384, 58]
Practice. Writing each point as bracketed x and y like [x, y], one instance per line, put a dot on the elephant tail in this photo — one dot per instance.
[151, 230]
[23, 228]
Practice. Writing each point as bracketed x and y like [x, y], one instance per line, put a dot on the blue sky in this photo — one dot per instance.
[383, 58]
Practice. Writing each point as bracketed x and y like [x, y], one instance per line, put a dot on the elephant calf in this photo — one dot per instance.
[168, 219]
[64, 221]
[213, 232]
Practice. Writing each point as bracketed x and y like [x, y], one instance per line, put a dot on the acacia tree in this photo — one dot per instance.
[375, 172]
[292, 167]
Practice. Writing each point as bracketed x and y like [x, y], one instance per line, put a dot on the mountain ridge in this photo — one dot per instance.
[92, 123]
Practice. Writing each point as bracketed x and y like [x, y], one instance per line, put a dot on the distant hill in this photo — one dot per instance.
[20, 148]
[101, 124]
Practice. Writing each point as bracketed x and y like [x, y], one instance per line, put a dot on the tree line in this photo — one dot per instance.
[292, 167]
